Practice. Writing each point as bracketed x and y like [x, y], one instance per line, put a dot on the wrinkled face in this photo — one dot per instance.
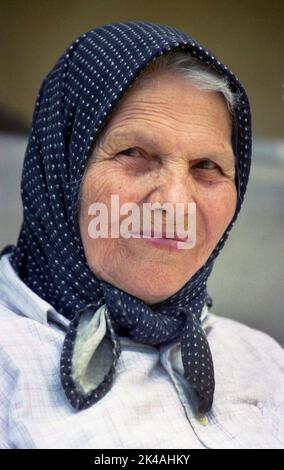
[166, 142]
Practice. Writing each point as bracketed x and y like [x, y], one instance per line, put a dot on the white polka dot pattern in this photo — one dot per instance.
[72, 106]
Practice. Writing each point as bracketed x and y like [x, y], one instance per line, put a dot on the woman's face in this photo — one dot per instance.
[166, 142]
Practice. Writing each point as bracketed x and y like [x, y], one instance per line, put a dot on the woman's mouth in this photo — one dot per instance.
[161, 242]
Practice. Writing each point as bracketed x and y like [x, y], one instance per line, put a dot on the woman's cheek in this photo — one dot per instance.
[218, 207]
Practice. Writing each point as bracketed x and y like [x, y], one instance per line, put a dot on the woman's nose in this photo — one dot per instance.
[173, 187]
[174, 195]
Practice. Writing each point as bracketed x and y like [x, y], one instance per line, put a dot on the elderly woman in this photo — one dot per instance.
[108, 341]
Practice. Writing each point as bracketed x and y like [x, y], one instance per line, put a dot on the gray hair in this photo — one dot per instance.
[202, 76]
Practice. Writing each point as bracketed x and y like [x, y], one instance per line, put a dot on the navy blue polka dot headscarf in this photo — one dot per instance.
[72, 106]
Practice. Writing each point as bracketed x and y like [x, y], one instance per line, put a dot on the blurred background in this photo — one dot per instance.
[248, 36]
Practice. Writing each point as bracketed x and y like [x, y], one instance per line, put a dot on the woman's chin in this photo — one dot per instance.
[155, 293]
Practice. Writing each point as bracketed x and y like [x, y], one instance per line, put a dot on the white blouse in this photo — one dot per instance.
[150, 405]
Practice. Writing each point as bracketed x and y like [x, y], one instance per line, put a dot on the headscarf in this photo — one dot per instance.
[73, 103]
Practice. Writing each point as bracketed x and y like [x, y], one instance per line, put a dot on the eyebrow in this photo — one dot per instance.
[148, 139]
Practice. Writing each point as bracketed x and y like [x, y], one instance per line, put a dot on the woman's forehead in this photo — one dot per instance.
[157, 117]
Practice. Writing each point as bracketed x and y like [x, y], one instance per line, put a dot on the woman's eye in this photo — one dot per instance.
[130, 152]
[207, 165]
